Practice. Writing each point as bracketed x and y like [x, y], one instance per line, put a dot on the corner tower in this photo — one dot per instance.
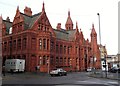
[93, 40]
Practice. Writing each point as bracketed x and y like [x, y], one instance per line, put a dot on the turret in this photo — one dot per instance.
[69, 23]
[93, 32]
[77, 31]
[93, 40]
[43, 8]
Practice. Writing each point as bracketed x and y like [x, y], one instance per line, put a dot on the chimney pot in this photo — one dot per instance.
[58, 26]
[28, 11]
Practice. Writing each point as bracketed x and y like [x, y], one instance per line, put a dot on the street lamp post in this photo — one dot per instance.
[100, 39]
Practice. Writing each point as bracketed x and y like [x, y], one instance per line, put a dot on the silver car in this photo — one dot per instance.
[58, 71]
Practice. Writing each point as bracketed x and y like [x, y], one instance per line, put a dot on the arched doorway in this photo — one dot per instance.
[33, 63]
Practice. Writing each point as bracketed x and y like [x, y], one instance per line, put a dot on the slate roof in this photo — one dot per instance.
[67, 35]
[8, 25]
[29, 20]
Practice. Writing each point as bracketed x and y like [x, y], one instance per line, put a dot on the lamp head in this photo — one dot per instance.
[98, 14]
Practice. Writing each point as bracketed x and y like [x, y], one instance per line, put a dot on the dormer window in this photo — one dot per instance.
[44, 28]
[47, 29]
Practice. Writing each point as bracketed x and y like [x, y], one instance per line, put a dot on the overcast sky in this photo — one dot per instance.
[82, 11]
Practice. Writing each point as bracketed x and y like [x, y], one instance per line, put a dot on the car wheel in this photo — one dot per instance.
[51, 74]
[65, 74]
[60, 74]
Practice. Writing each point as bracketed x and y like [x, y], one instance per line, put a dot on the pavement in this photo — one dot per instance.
[107, 75]
[113, 76]
[26, 75]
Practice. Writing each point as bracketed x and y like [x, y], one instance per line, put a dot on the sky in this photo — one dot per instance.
[82, 11]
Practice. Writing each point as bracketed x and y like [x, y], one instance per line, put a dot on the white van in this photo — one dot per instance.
[16, 65]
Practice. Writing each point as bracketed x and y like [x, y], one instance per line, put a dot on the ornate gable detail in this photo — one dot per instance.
[42, 23]
[18, 22]
[77, 33]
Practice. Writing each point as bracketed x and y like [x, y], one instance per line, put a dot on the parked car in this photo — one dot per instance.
[58, 71]
[113, 70]
[89, 69]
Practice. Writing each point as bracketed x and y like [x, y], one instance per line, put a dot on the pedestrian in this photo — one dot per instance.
[3, 70]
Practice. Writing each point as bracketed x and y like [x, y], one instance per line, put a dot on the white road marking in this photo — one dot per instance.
[97, 82]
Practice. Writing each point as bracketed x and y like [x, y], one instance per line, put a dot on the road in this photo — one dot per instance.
[72, 79]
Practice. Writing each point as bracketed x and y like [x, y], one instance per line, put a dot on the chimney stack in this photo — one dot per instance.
[58, 26]
[28, 11]
[8, 19]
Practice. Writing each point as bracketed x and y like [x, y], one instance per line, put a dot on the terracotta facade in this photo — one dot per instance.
[31, 37]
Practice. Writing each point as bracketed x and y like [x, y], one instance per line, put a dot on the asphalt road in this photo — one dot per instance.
[41, 79]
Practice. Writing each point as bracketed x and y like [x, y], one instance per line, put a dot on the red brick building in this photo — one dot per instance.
[31, 37]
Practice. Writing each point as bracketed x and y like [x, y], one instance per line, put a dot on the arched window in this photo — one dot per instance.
[19, 43]
[44, 60]
[51, 61]
[65, 61]
[47, 44]
[57, 49]
[40, 44]
[44, 43]
[39, 27]
[14, 43]
[69, 61]
[33, 43]
[64, 49]
[52, 46]
[5, 46]
[57, 61]
[40, 60]
[61, 49]
[24, 43]
[61, 60]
